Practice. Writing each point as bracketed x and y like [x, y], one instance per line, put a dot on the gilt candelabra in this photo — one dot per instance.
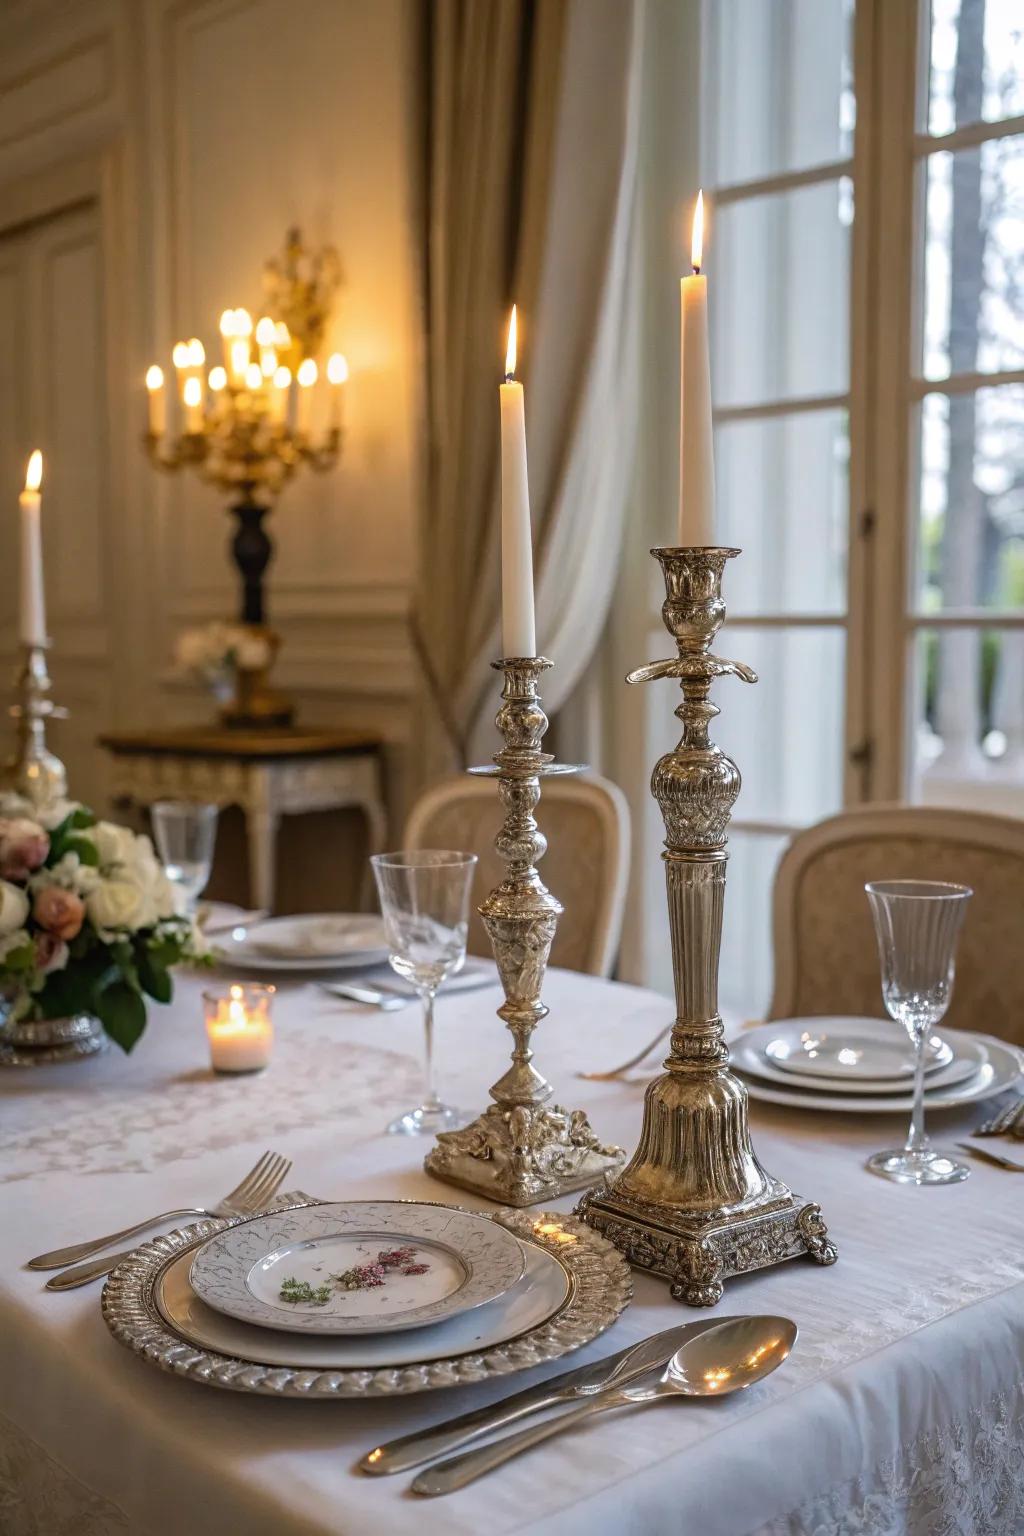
[522, 1149]
[246, 429]
[694, 1203]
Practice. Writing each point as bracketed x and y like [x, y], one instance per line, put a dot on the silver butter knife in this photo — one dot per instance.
[372, 997]
[614, 1370]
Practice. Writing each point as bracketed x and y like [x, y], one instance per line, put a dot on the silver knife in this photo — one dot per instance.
[629, 1364]
[372, 997]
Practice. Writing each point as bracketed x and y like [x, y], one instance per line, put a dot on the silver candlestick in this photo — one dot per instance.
[34, 772]
[694, 1204]
[522, 1149]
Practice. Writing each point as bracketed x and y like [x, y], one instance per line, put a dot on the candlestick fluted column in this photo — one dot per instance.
[694, 1203]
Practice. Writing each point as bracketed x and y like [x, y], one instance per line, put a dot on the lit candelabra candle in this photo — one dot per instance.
[337, 377]
[307, 377]
[254, 378]
[279, 394]
[192, 399]
[218, 382]
[33, 601]
[157, 400]
[266, 333]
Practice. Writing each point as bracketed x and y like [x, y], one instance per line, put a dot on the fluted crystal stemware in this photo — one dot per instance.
[917, 924]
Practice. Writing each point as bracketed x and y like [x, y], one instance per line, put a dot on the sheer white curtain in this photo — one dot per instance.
[571, 80]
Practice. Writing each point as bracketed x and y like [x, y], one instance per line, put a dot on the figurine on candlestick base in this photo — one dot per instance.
[694, 1203]
[522, 1149]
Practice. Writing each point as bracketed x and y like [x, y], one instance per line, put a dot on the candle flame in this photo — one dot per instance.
[253, 376]
[282, 377]
[218, 379]
[307, 372]
[697, 238]
[196, 353]
[337, 368]
[243, 322]
[34, 472]
[282, 336]
[154, 378]
[268, 361]
[181, 356]
[192, 394]
[510, 352]
[266, 332]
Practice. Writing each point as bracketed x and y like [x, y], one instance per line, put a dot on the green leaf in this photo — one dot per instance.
[67, 992]
[154, 978]
[85, 848]
[122, 1012]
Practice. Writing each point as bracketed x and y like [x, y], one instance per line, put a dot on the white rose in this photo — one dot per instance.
[59, 811]
[114, 844]
[68, 872]
[116, 905]
[13, 907]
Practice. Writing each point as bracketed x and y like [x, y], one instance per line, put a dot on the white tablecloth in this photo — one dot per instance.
[900, 1411]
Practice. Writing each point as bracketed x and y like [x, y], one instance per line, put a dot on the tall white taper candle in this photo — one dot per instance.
[696, 438]
[518, 629]
[33, 602]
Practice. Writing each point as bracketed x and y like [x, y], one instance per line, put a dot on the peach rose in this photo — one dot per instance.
[60, 912]
[51, 952]
[23, 847]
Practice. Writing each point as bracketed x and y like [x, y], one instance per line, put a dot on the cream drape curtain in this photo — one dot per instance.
[533, 128]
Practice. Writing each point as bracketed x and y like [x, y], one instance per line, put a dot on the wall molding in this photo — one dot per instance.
[49, 86]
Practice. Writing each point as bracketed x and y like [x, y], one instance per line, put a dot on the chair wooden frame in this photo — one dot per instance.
[973, 829]
[598, 794]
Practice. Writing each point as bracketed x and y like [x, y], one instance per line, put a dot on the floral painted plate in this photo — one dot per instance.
[362, 1266]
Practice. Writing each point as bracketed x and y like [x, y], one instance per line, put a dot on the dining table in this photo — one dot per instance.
[900, 1411]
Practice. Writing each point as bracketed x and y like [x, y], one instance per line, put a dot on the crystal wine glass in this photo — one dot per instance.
[424, 899]
[185, 833]
[917, 924]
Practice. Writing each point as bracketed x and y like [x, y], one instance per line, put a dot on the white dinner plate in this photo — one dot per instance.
[455, 1261]
[851, 1049]
[1005, 1065]
[968, 1055]
[315, 942]
[542, 1291]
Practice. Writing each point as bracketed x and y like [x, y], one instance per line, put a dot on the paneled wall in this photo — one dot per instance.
[152, 154]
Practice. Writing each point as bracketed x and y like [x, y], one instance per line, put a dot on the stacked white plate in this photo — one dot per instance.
[329, 1299]
[316, 941]
[860, 1065]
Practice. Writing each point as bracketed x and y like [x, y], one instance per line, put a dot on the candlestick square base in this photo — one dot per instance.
[523, 1154]
[698, 1251]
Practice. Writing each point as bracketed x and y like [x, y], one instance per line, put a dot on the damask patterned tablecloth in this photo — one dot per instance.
[900, 1412]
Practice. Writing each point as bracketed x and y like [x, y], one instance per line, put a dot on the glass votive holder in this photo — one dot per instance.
[238, 1027]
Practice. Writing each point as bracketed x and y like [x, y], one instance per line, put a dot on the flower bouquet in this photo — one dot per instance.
[234, 662]
[89, 922]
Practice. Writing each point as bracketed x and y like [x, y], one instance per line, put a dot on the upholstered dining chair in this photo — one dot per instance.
[826, 960]
[586, 823]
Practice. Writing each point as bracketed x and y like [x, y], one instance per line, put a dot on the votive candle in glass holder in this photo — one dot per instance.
[238, 1027]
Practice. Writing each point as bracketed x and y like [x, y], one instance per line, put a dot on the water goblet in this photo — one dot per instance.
[185, 832]
[917, 924]
[424, 900]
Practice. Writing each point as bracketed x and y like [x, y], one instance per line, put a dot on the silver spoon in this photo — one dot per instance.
[634, 1061]
[723, 1359]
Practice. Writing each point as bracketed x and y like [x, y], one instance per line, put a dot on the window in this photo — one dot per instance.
[864, 167]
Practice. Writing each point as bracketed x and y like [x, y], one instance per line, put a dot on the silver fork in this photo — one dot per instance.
[259, 1185]
[634, 1061]
[1006, 1120]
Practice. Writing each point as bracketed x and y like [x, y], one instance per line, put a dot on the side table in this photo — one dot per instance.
[268, 774]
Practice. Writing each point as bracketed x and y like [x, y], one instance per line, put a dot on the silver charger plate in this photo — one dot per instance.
[853, 1049]
[968, 1055]
[601, 1289]
[1004, 1067]
[468, 1261]
[543, 1290]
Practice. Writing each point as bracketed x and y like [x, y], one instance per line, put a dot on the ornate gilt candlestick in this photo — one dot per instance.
[34, 772]
[522, 1149]
[694, 1204]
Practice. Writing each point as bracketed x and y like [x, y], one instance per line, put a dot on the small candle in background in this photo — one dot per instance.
[180, 359]
[192, 397]
[282, 337]
[33, 602]
[337, 377]
[196, 355]
[238, 1027]
[157, 401]
[254, 379]
[307, 377]
[266, 333]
